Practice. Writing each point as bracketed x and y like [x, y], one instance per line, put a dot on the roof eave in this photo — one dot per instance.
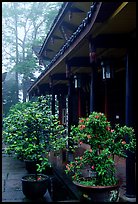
[59, 17]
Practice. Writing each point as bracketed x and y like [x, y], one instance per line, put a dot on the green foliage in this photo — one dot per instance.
[104, 142]
[27, 66]
[25, 24]
[57, 137]
[8, 94]
[30, 131]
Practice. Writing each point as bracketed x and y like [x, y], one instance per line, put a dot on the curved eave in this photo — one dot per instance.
[115, 23]
[55, 24]
[63, 27]
[71, 43]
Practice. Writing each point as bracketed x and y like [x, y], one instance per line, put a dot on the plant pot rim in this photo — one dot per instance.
[43, 175]
[97, 187]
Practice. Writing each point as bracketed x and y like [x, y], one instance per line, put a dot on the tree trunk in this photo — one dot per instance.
[17, 55]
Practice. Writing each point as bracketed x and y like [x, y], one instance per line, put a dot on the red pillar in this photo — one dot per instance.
[79, 103]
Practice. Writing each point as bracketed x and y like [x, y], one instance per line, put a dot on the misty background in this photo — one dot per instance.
[24, 25]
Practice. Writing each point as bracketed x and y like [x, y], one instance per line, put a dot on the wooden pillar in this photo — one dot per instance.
[68, 76]
[77, 87]
[53, 103]
[79, 102]
[91, 93]
[53, 95]
[92, 54]
[30, 95]
[130, 160]
[60, 108]
[106, 99]
[68, 70]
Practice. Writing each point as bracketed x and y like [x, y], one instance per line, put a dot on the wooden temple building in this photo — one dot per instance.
[89, 56]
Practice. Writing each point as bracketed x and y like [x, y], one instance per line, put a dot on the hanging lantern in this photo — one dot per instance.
[106, 70]
[77, 81]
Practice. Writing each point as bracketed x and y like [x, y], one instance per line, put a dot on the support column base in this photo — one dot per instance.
[124, 198]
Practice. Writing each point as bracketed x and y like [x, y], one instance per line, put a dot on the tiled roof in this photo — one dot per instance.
[54, 22]
[75, 35]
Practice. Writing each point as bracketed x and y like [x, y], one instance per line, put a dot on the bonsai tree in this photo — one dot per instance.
[31, 131]
[12, 129]
[104, 142]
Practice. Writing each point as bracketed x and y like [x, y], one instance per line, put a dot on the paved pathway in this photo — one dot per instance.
[12, 172]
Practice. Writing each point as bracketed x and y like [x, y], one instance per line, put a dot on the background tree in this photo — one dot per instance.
[9, 92]
[24, 24]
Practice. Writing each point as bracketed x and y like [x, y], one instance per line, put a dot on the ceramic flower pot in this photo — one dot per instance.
[34, 188]
[99, 193]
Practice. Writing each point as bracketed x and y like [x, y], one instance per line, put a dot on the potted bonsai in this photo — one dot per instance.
[94, 171]
[30, 137]
[57, 142]
[13, 125]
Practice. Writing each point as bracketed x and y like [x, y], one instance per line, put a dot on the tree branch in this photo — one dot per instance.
[10, 55]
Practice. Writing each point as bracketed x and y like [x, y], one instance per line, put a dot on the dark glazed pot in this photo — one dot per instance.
[99, 193]
[33, 189]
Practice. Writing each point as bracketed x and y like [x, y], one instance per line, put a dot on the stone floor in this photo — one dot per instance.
[13, 170]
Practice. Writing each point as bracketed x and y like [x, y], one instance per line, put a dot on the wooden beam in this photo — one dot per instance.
[121, 7]
[64, 33]
[46, 58]
[58, 88]
[107, 9]
[68, 26]
[57, 37]
[49, 50]
[76, 10]
[79, 61]
[44, 88]
[112, 41]
[59, 76]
